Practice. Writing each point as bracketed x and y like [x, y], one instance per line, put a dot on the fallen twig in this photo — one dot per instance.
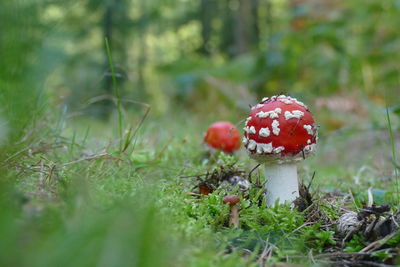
[100, 156]
[379, 243]
[193, 194]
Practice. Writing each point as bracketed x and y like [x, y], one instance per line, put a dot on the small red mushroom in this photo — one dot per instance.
[279, 132]
[232, 200]
[223, 135]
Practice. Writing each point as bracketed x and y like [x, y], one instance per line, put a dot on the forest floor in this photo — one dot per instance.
[82, 202]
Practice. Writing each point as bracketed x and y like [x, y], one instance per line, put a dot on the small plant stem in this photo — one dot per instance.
[117, 95]
[234, 217]
[86, 136]
[393, 153]
[71, 148]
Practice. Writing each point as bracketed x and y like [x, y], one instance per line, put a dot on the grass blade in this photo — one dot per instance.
[117, 95]
[393, 152]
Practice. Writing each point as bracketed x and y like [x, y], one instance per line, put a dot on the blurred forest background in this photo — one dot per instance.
[199, 53]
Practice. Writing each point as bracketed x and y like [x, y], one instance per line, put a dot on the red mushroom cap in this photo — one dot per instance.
[223, 135]
[231, 199]
[281, 129]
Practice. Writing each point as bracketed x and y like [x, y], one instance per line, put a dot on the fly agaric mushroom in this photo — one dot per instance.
[223, 135]
[232, 200]
[280, 132]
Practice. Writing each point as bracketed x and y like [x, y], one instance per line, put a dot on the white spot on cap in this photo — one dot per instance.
[309, 129]
[262, 114]
[260, 106]
[297, 114]
[265, 99]
[309, 148]
[276, 112]
[272, 113]
[299, 103]
[286, 101]
[246, 129]
[264, 132]
[247, 120]
[275, 127]
[308, 141]
[264, 148]
[268, 148]
[279, 149]
[251, 145]
[252, 130]
[245, 140]
[259, 149]
[290, 100]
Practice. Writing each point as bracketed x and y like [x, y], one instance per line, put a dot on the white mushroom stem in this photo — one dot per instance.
[281, 183]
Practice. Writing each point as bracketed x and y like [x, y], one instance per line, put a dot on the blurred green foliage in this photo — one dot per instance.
[20, 80]
[175, 51]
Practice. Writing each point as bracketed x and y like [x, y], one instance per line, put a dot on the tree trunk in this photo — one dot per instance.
[142, 57]
[205, 18]
[243, 15]
[255, 29]
[107, 105]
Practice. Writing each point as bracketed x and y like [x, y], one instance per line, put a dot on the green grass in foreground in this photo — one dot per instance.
[71, 200]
